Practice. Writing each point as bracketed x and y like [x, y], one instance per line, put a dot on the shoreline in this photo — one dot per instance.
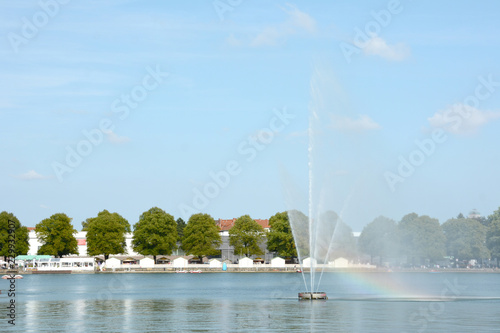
[198, 270]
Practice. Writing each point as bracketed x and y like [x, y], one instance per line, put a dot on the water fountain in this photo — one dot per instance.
[318, 236]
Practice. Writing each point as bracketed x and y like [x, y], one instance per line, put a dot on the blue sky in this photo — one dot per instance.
[210, 106]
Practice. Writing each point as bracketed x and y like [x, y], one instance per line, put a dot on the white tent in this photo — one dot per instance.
[214, 263]
[307, 262]
[245, 262]
[180, 262]
[277, 262]
[339, 263]
[147, 263]
[113, 263]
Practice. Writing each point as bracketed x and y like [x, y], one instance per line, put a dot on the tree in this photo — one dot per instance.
[421, 237]
[57, 235]
[106, 234]
[379, 238]
[201, 236]
[332, 238]
[299, 223]
[465, 239]
[155, 233]
[180, 228]
[280, 236]
[493, 234]
[246, 236]
[12, 232]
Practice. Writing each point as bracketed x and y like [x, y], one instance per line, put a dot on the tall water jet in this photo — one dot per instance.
[318, 236]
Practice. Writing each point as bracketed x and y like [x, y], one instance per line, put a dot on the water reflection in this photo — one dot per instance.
[250, 303]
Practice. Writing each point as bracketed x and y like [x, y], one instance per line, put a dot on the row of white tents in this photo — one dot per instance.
[182, 262]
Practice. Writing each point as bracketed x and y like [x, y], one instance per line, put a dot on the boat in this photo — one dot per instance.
[181, 271]
[196, 271]
[8, 277]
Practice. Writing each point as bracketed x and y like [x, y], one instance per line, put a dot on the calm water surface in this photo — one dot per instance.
[255, 302]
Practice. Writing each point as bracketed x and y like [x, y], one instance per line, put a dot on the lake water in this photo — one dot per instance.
[255, 302]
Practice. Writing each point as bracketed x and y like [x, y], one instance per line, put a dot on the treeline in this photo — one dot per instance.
[156, 233]
[414, 240]
[422, 239]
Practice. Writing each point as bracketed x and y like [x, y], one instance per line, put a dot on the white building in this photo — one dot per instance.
[245, 262]
[180, 262]
[278, 262]
[81, 238]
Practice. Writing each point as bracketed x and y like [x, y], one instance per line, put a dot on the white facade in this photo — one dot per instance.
[147, 263]
[307, 262]
[245, 263]
[81, 238]
[180, 262]
[278, 262]
[59, 264]
[214, 263]
[339, 263]
[113, 263]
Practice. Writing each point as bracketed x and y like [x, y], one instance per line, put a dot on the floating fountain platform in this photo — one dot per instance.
[313, 295]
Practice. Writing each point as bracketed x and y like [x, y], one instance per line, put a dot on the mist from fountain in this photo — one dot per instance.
[316, 235]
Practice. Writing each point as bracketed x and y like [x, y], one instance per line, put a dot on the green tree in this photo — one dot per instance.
[57, 235]
[280, 236]
[9, 235]
[155, 233]
[246, 236]
[379, 238]
[465, 239]
[493, 234]
[421, 237]
[180, 228]
[106, 234]
[201, 236]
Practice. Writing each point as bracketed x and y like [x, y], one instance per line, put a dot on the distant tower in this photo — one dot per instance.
[474, 214]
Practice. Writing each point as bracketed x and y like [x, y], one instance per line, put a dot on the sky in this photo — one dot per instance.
[249, 107]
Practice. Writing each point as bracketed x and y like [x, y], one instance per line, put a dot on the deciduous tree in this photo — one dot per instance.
[465, 239]
[155, 233]
[246, 236]
[14, 234]
[493, 234]
[57, 236]
[201, 236]
[421, 237]
[106, 234]
[379, 238]
[280, 236]
[332, 238]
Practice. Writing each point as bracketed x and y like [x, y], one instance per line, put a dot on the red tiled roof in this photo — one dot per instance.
[225, 225]
[30, 228]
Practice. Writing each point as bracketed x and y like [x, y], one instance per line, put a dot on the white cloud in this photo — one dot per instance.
[301, 19]
[115, 138]
[31, 175]
[462, 119]
[362, 123]
[43, 206]
[296, 22]
[378, 47]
